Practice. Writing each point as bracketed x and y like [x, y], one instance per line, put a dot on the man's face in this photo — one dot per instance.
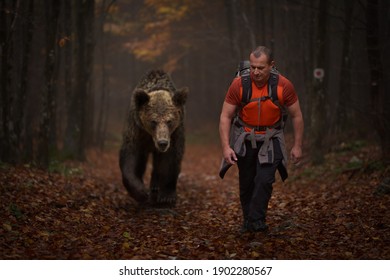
[260, 69]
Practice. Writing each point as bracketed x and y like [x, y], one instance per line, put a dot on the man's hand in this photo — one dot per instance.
[227, 114]
[296, 155]
[229, 155]
[297, 121]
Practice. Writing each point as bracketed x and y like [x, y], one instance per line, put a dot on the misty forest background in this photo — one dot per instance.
[67, 72]
[68, 67]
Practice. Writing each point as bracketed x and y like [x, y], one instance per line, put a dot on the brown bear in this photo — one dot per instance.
[155, 125]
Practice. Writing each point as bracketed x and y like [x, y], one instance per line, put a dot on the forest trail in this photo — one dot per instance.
[82, 211]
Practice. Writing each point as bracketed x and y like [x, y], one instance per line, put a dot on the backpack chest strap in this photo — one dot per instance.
[240, 122]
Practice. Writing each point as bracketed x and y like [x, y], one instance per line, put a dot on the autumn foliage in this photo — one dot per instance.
[81, 211]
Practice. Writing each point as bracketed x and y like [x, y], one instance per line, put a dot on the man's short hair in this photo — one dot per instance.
[263, 50]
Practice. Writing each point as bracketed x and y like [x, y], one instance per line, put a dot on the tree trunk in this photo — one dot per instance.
[319, 94]
[307, 25]
[379, 102]
[9, 17]
[72, 73]
[69, 145]
[272, 28]
[72, 77]
[46, 142]
[248, 30]
[21, 122]
[259, 16]
[232, 22]
[4, 144]
[104, 100]
[343, 114]
[79, 113]
[89, 109]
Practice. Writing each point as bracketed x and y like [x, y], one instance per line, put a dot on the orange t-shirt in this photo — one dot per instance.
[269, 113]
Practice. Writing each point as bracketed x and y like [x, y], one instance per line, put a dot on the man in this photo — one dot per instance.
[259, 147]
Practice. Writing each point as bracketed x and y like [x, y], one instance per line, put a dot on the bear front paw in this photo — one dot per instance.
[164, 200]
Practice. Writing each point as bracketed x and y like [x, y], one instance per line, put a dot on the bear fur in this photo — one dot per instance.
[155, 125]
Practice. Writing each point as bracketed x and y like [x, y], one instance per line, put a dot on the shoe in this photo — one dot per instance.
[258, 226]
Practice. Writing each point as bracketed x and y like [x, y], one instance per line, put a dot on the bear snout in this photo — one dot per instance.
[162, 137]
[163, 145]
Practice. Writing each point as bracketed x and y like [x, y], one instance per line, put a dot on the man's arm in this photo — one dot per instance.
[227, 114]
[297, 120]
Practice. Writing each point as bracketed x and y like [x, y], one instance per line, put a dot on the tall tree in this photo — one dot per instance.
[243, 22]
[47, 131]
[232, 13]
[79, 114]
[69, 138]
[260, 22]
[22, 123]
[16, 29]
[101, 125]
[88, 108]
[343, 111]
[307, 41]
[379, 100]
[319, 94]
[8, 19]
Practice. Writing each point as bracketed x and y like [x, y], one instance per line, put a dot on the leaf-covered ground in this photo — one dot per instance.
[81, 211]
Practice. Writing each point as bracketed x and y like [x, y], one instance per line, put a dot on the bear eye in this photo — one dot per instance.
[153, 124]
[170, 123]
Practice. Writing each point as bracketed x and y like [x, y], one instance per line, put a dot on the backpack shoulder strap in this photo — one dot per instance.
[246, 89]
[273, 85]
[244, 72]
[273, 94]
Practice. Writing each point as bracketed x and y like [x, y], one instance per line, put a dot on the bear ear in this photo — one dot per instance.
[180, 96]
[140, 97]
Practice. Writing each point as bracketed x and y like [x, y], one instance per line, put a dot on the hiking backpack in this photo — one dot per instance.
[244, 73]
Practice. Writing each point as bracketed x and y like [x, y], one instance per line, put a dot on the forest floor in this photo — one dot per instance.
[339, 210]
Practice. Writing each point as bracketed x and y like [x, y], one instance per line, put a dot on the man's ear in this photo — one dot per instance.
[180, 96]
[140, 97]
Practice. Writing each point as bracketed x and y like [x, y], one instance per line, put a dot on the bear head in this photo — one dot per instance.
[160, 113]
